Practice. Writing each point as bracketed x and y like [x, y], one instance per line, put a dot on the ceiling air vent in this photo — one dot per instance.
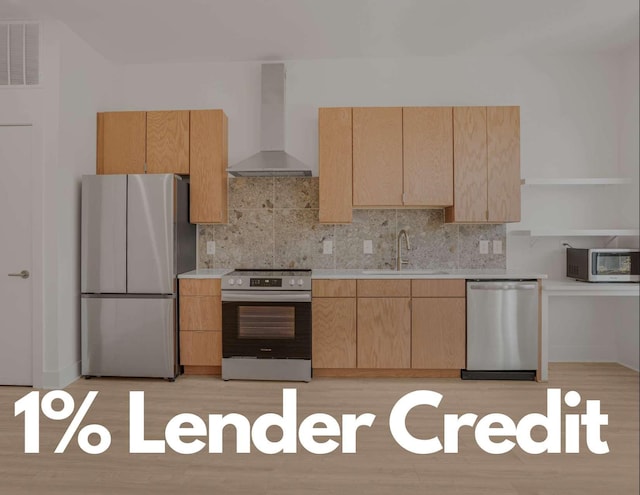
[19, 54]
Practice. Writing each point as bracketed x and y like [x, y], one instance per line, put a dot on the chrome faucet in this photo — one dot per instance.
[399, 260]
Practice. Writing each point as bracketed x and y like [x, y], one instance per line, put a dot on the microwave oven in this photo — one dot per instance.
[603, 265]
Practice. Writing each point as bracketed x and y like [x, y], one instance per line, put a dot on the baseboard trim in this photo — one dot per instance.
[382, 373]
[61, 378]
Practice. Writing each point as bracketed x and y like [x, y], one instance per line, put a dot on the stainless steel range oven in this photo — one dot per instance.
[266, 325]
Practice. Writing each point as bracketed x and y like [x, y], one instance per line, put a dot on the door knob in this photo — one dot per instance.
[22, 274]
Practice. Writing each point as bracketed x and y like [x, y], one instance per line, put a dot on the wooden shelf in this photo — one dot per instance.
[599, 181]
[577, 232]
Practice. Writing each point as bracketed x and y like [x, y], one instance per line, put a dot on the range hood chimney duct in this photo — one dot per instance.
[272, 161]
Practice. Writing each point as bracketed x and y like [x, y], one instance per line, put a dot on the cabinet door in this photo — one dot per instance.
[470, 165]
[200, 323]
[335, 153]
[377, 156]
[438, 333]
[334, 332]
[200, 348]
[503, 153]
[168, 142]
[200, 313]
[208, 168]
[121, 143]
[427, 134]
[384, 332]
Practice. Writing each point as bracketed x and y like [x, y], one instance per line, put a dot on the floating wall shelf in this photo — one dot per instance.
[577, 232]
[575, 181]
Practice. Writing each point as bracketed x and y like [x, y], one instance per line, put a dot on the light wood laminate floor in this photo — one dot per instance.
[379, 467]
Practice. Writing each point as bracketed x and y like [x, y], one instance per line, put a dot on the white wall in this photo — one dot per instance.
[76, 83]
[629, 125]
[573, 124]
[85, 87]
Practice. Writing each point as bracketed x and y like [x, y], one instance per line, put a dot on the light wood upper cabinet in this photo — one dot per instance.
[470, 155]
[427, 147]
[171, 142]
[209, 160]
[466, 159]
[486, 144]
[168, 142]
[503, 153]
[335, 154]
[121, 147]
[377, 156]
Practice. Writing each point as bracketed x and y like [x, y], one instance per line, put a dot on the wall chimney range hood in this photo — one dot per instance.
[272, 161]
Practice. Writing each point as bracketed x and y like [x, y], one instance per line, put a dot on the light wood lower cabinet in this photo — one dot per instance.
[389, 327]
[334, 324]
[438, 324]
[200, 326]
[438, 333]
[334, 332]
[384, 332]
[200, 348]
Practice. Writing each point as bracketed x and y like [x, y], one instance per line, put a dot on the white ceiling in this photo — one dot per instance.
[148, 31]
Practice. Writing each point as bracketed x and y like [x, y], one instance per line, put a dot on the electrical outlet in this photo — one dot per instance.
[327, 247]
[484, 247]
[211, 247]
[497, 246]
[367, 246]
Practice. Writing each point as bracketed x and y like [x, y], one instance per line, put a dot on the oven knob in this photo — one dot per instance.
[231, 281]
[300, 282]
[292, 282]
[239, 281]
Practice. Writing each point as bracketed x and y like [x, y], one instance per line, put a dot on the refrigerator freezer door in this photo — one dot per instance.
[150, 234]
[129, 336]
[104, 234]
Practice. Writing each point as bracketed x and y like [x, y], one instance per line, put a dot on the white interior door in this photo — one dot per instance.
[15, 256]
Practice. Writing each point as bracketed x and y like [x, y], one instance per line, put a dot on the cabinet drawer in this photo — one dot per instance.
[438, 288]
[200, 313]
[200, 348]
[334, 288]
[384, 288]
[199, 287]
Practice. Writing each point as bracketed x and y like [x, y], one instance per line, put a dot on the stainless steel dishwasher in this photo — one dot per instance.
[502, 329]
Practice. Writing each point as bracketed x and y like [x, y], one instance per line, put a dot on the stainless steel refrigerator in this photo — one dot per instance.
[136, 238]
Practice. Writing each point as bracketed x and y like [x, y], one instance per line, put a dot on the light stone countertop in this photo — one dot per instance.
[569, 285]
[485, 274]
[205, 273]
[390, 274]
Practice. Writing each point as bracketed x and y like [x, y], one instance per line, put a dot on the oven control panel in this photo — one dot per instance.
[265, 282]
[244, 281]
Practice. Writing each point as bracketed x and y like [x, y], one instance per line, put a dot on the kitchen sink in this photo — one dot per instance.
[405, 272]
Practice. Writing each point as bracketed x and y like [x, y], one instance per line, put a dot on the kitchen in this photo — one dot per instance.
[558, 95]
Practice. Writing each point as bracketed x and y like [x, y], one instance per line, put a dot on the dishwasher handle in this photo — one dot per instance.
[503, 286]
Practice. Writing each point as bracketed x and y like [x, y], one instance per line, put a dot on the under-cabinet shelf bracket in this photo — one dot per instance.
[611, 239]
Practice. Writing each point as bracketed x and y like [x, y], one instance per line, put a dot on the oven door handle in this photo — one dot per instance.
[266, 296]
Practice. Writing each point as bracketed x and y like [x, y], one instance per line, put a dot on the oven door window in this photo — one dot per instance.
[266, 322]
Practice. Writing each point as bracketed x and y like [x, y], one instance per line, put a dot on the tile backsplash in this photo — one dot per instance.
[273, 223]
